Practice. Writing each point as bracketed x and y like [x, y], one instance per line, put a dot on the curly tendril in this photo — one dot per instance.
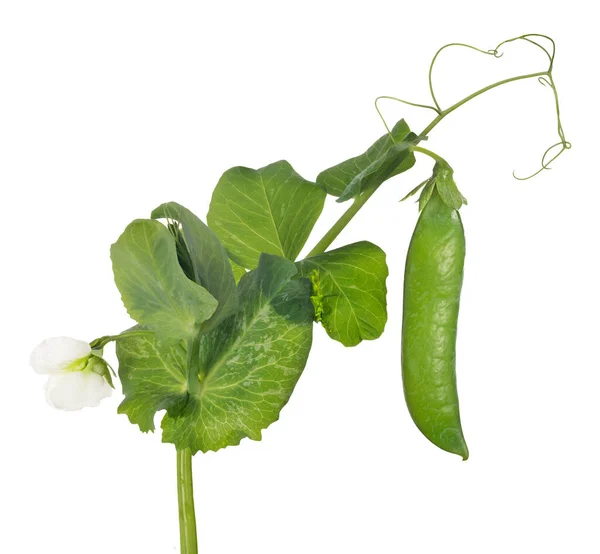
[528, 38]
[404, 102]
[545, 78]
[493, 52]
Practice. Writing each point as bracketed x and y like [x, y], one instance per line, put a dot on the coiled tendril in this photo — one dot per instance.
[545, 78]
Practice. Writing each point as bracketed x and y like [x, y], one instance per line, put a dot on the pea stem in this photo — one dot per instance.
[185, 496]
[362, 199]
[429, 153]
[466, 99]
[341, 223]
[103, 341]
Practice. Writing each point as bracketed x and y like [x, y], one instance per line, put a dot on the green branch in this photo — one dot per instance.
[185, 496]
[462, 102]
[101, 342]
[429, 153]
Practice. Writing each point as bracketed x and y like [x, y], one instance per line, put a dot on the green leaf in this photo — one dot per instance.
[252, 362]
[238, 271]
[153, 286]
[201, 253]
[426, 192]
[446, 186]
[153, 376]
[183, 254]
[336, 179]
[415, 190]
[349, 291]
[271, 210]
[384, 167]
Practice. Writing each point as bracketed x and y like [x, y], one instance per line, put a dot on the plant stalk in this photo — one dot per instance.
[466, 99]
[341, 223]
[429, 153]
[185, 496]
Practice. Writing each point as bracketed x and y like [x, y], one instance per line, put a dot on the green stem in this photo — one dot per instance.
[460, 103]
[429, 153]
[341, 223]
[361, 200]
[185, 496]
[103, 341]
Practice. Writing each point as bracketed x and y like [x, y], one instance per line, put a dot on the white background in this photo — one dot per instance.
[110, 108]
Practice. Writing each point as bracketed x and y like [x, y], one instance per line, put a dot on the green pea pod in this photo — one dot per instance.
[432, 285]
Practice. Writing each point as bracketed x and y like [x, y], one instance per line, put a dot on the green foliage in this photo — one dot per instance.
[446, 186]
[415, 190]
[395, 160]
[153, 286]
[154, 377]
[271, 210]
[200, 251]
[350, 291]
[317, 295]
[238, 271]
[442, 180]
[426, 193]
[387, 157]
[250, 364]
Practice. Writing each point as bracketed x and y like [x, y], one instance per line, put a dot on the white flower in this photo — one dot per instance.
[78, 378]
[73, 391]
[54, 356]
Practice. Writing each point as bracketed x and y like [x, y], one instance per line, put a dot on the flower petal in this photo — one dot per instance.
[76, 390]
[55, 354]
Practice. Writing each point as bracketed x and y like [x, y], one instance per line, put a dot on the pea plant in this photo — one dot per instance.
[224, 311]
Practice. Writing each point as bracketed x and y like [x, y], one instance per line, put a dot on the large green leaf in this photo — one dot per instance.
[154, 287]
[349, 291]
[272, 210]
[204, 256]
[252, 362]
[362, 171]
